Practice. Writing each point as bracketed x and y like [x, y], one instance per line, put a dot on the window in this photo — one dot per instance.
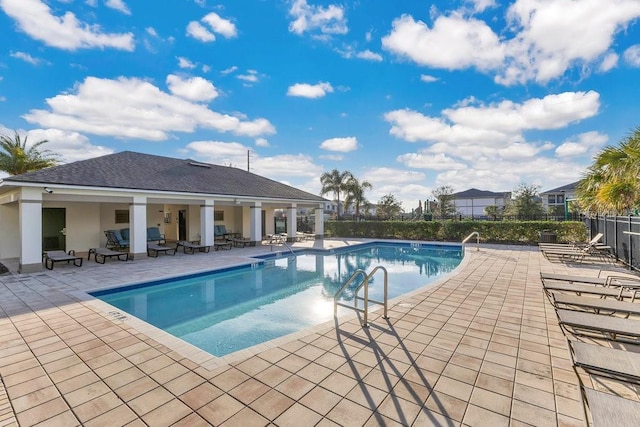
[552, 199]
[218, 215]
[122, 216]
[560, 199]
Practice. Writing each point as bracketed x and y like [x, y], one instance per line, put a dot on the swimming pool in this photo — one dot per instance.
[235, 308]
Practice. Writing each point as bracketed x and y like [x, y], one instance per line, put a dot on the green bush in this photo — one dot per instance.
[522, 232]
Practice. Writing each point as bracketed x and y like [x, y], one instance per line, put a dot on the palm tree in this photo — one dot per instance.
[355, 193]
[611, 183]
[16, 159]
[335, 182]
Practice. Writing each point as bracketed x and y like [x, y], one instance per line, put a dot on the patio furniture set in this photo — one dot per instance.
[600, 318]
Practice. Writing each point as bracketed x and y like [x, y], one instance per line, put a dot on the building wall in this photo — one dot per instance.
[476, 206]
[9, 219]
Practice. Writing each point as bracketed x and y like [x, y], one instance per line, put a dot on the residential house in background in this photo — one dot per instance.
[471, 203]
[556, 200]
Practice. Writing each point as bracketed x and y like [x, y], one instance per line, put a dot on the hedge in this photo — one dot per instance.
[521, 232]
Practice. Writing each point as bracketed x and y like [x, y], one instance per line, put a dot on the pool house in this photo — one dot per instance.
[68, 207]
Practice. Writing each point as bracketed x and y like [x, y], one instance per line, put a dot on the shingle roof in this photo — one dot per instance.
[130, 170]
[475, 193]
[567, 187]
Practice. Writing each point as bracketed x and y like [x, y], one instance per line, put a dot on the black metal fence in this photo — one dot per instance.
[622, 233]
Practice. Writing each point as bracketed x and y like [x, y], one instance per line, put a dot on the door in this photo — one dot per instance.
[182, 224]
[54, 229]
[264, 223]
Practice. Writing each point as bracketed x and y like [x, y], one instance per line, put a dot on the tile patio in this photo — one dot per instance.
[482, 347]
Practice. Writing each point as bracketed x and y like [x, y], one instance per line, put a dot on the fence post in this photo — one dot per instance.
[629, 241]
[615, 235]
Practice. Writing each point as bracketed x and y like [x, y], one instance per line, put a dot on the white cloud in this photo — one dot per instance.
[542, 41]
[235, 154]
[185, 63]
[118, 5]
[326, 20]
[199, 32]
[217, 24]
[407, 186]
[306, 90]
[369, 55]
[333, 157]
[71, 146]
[250, 77]
[135, 108]
[424, 160]
[220, 25]
[482, 5]
[343, 145]
[194, 89]
[35, 18]
[609, 62]
[554, 35]
[428, 79]
[262, 142]
[632, 55]
[584, 143]
[229, 70]
[26, 58]
[151, 31]
[469, 43]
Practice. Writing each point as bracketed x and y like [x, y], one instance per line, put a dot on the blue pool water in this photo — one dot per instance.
[226, 311]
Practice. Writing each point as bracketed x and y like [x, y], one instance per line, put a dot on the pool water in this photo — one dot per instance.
[223, 312]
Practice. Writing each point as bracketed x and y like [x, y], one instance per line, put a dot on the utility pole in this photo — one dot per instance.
[248, 151]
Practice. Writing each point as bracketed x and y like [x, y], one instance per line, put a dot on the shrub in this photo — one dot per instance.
[521, 232]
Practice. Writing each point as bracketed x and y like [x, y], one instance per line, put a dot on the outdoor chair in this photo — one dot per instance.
[154, 249]
[115, 240]
[219, 232]
[101, 254]
[597, 305]
[591, 325]
[192, 247]
[593, 242]
[619, 293]
[242, 242]
[222, 244]
[154, 235]
[611, 410]
[51, 257]
[621, 365]
[125, 233]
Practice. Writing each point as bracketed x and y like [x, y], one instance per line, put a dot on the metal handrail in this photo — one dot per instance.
[366, 300]
[466, 239]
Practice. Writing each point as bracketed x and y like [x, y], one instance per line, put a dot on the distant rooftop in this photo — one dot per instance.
[475, 193]
[568, 187]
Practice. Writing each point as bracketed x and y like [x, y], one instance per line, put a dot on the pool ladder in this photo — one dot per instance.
[365, 284]
[475, 233]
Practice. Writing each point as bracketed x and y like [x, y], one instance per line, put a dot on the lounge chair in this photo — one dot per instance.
[611, 410]
[576, 254]
[154, 235]
[598, 326]
[619, 364]
[242, 242]
[222, 244]
[592, 242]
[101, 254]
[115, 240]
[620, 293]
[602, 281]
[598, 305]
[154, 249]
[191, 247]
[51, 257]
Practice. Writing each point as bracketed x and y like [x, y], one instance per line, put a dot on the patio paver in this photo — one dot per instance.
[482, 346]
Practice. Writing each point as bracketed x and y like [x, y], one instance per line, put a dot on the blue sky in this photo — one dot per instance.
[408, 95]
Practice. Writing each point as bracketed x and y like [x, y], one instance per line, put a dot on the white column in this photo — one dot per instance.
[292, 222]
[206, 223]
[30, 230]
[319, 215]
[256, 222]
[138, 226]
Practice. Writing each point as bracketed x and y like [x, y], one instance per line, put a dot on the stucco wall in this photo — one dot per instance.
[10, 231]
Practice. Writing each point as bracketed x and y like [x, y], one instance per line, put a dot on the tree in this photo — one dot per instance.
[335, 182]
[444, 206]
[388, 207]
[355, 194]
[16, 159]
[611, 183]
[493, 211]
[525, 201]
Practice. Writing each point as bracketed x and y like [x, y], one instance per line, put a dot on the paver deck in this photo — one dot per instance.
[482, 347]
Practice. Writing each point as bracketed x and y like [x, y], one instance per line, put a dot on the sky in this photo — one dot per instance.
[408, 95]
